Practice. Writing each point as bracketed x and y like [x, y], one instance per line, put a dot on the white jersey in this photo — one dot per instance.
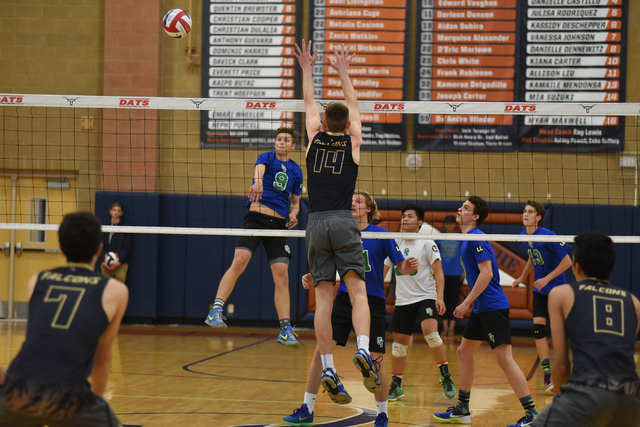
[420, 285]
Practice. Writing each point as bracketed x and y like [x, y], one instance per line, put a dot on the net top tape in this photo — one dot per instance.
[297, 105]
[301, 233]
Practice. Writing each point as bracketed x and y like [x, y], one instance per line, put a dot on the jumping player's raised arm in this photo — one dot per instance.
[312, 114]
[341, 64]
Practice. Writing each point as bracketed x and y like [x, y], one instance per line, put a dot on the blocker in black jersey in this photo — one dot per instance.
[598, 321]
[331, 172]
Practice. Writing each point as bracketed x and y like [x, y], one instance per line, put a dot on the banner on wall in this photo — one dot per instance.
[248, 53]
[521, 53]
[379, 34]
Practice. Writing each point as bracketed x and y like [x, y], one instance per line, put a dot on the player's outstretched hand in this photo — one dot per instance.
[342, 58]
[307, 281]
[255, 192]
[541, 283]
[305, 58]
[293, 221]
[461, 310]
[408, 266]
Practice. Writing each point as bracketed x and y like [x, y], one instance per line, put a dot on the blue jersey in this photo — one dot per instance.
[493, 297]
[279, 181]
[375, 252]
[450, 256]
[545, 257]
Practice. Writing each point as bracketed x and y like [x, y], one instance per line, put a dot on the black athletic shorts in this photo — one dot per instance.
[404, 316]
[540, 305]
[491, 326]
[452, 285]
[342, 323]
[276, 247]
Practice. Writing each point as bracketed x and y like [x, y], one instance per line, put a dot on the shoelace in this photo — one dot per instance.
[220, 313]
[445, 379]
[292, 331]
[337, 378]
[525, 418]
[454, 409]
[376, 363]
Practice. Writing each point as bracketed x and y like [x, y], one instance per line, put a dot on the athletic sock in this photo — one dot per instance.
[310, 401]
[327, 361]
[284, 322]
[528, 405]
[397, 378]
[463, 401]
[444, 368]
[546, 367]
[218, 303]
[363, 343]
[382, 406]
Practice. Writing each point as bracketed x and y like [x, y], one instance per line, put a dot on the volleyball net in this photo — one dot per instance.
[184, 165]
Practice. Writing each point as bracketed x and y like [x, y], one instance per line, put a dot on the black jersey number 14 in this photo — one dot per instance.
[332, 160]
[68, 299]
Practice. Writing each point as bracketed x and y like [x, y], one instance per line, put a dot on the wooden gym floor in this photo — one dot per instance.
[172, 376]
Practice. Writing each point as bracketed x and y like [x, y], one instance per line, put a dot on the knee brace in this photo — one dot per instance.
[539, 331]
[398, 350]
[433, 339]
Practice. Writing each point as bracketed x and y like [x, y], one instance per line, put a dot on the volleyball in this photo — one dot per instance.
[111, 258]
[177, 23]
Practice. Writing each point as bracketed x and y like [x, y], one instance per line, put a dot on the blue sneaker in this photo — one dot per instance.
[334, 388]
[300, 417]
[215, 319]
[288, 337]
[453, 415]
[370, 378]
[381, 420]
[527, 420]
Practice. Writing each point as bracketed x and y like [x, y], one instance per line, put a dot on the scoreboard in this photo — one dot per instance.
[516, 52]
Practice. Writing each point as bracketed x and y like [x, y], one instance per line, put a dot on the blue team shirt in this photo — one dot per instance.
[279, 181]
[375, 252]
[545, 257]
[450, 256]
[493, 297]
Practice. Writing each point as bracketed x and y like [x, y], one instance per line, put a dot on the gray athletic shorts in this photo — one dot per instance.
[96, 414]
[580, 405]
[333, 243]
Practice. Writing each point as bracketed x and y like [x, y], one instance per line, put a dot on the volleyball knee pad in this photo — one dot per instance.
[433, 339]
[398, 350]
[539, 331]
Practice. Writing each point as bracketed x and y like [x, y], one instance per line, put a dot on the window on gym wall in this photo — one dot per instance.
[37, 215]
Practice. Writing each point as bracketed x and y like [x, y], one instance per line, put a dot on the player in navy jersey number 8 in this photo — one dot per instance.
[599, 385]
[276, 179]
[332, 236]
[364, 210]
[74, 317]
[549, 260]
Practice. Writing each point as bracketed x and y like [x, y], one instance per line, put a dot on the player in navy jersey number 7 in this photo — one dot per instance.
[599, 385]
[332, 237]
[74, 317]
[549, 261]
[364, 210]
[489, 320]
[276, 179]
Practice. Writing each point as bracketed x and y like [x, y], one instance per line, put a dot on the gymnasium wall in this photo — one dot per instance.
[83, 48]
[176, 277]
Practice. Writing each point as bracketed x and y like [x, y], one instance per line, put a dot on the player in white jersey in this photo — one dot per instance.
[418, 296]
